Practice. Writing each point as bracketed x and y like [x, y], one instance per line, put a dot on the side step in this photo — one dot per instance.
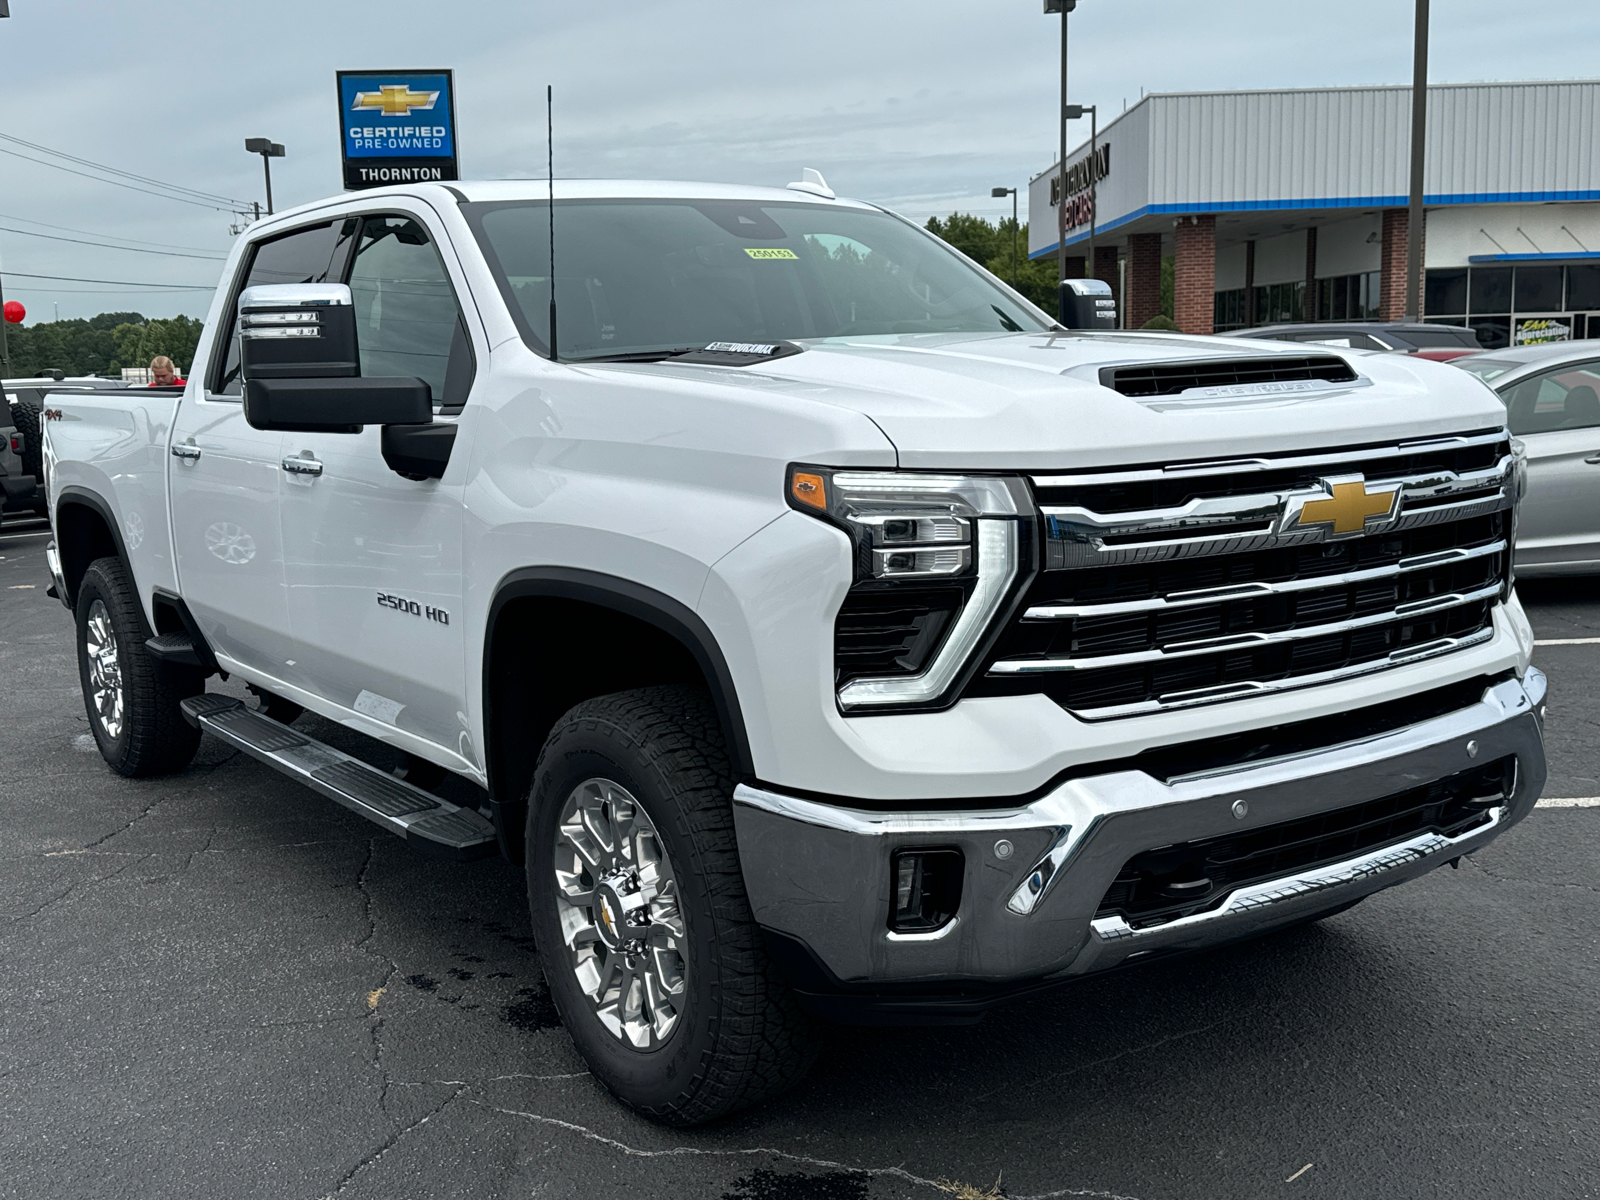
[175, 648]
[424, 820]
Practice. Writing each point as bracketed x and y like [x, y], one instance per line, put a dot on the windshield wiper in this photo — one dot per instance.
[644, 356]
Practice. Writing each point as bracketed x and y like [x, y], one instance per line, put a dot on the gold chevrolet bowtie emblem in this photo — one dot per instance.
[1347, 511]
[395, 100]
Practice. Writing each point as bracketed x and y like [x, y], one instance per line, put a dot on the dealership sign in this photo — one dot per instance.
[1536, 331]
[397, 127]
[1081, 177]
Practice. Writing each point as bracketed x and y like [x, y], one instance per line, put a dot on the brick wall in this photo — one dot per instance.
[1392, 267]
[1195, 273]
[1144, 278]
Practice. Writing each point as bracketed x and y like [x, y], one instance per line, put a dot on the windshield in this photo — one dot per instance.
[642, 276]
[1486, 368]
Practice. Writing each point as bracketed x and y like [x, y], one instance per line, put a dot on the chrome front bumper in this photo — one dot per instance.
[819, 874]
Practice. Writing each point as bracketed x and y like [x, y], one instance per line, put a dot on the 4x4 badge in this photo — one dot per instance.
[1345, 507]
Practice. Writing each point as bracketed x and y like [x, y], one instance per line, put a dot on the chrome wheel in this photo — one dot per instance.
[617, 901]
[105, 669]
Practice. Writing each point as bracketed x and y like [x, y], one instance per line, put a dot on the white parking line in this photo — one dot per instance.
[12, 537]
[1569, 642]
[1569, 802]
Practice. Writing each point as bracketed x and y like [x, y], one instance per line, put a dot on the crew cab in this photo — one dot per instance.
[831, 634]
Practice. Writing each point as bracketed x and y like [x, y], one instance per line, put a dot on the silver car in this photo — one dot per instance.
[1552, 398]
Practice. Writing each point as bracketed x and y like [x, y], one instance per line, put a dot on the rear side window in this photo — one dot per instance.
[315, 254]
[407, 319]
[1565, 397]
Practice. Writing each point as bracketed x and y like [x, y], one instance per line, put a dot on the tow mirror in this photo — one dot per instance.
[1087, 304]
[302, 374]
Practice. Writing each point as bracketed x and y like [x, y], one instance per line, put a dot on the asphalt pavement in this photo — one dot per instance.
[219, 984]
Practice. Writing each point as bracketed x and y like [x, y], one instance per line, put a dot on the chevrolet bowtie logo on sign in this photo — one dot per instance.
[1344, 507]
[396, 100]
[397, 127]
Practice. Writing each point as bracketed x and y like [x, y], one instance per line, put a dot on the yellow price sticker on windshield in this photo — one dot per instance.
[755, 253]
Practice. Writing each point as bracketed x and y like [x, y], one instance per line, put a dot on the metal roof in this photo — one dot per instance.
[1334, 148]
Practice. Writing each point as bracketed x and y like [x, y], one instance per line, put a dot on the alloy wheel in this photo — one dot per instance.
[105, 669]
[618, 904]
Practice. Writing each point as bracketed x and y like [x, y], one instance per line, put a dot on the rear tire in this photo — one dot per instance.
[25, 417]
[132, 700]
[675, 1006]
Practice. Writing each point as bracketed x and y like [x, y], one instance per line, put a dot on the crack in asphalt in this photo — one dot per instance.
[767, 1151]
[82, 883]
[391, 1142]
[1099, 1062]
[1499, 878]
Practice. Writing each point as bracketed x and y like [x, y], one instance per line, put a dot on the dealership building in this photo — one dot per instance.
[1290, 206]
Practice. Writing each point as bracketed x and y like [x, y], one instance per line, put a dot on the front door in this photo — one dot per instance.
[1557, 414]
[372, 559]
[225, 478]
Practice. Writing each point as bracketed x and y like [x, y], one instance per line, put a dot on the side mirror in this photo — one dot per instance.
[1087, 304]
[302, 374]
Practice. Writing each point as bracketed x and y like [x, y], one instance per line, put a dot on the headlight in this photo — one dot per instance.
[936, 557]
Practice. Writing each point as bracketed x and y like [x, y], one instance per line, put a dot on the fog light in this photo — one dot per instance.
[927, 889]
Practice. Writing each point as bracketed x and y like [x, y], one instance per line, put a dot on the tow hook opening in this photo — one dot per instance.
[927, 888]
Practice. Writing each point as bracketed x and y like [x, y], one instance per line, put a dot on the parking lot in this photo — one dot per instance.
[220, 984]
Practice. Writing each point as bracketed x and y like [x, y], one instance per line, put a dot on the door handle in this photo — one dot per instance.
[187, 451]
[302, 466]
[1594, 459]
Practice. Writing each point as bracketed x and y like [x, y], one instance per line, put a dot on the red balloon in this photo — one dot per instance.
[15, 312]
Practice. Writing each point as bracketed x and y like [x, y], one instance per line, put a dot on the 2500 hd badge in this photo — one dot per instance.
[401, 604]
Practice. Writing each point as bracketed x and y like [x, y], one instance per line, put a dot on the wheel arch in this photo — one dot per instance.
[85, 530]
[556, 614]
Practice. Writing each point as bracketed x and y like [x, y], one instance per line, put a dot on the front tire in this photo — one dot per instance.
[132, 700]
[644, 931]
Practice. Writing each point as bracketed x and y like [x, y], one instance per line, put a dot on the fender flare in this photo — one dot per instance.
[670, 616]
[75, 494]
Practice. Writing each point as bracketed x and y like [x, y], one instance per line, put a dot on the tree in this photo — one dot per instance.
[991, 245]
[101, 345]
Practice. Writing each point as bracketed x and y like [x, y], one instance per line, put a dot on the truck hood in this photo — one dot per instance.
[1035, 401]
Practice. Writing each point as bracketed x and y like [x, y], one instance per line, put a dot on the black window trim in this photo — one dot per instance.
[325, 217]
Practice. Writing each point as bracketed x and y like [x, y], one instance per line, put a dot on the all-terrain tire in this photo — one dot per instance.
[25, 417]
[740, 1037]
[147, 734]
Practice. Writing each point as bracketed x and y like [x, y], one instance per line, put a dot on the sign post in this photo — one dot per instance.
[397, 127]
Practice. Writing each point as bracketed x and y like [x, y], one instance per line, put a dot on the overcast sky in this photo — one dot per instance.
[922, 106]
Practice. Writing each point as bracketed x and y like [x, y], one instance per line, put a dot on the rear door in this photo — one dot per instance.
[373, 559]
[1557, 414]
[224, 478]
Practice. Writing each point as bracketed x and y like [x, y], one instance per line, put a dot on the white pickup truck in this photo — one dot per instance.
[831, 633]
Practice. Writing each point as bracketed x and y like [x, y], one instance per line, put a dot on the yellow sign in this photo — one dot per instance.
[770, 253]
[395, 100]
[1349, 508]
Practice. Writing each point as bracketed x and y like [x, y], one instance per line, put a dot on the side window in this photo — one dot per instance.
[407, 320]
[1565, 397]
[314, 254]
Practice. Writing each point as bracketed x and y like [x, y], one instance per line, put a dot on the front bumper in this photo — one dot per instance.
[818, 874]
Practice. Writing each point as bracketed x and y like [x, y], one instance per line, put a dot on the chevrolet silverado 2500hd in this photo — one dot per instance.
[831, 634]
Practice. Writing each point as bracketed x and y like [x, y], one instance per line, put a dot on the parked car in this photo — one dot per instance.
[832, 634]
[1438, 342]
[1552, 399]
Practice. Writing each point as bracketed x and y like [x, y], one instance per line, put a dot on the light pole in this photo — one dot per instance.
[269, 150]
[1001, 194]
[1074, 112]
[5, 350]
[1415, 220]
[1063, 7]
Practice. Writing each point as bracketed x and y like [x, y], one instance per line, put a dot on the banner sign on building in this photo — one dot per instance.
[397, 127]
[1536, 331]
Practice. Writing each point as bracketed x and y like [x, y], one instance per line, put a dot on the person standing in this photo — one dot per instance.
[163, 373]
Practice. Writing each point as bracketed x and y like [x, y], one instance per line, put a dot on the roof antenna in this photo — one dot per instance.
[550, 162]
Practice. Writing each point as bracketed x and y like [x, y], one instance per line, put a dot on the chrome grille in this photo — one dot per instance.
[1221, 593]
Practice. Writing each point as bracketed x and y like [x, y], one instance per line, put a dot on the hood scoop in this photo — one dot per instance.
[1210, 381]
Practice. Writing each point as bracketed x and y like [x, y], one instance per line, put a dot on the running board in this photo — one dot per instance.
[424, 820]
